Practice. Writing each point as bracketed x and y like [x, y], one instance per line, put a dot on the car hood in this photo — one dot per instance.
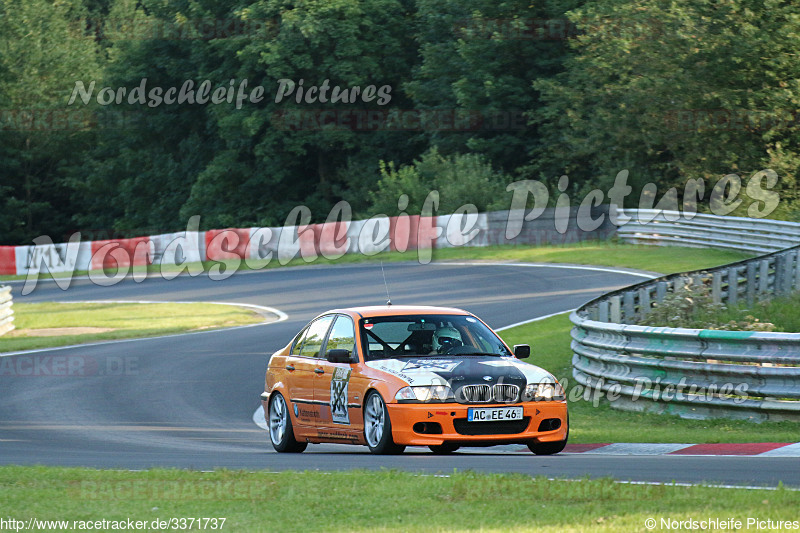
[462, 370]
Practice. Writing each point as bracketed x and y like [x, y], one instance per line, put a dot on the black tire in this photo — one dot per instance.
[549, 448]
[281, 433]
[444, 449]
[378, 426]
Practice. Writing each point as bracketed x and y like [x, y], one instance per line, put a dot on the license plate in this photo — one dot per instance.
[493, 414]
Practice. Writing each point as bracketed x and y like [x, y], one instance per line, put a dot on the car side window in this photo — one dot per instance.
[343, 335]
[314, 337]
[297, 343]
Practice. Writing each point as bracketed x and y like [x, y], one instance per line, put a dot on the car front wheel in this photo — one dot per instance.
[280, 427]
[549, 448]
[378, 427]
[443, 449]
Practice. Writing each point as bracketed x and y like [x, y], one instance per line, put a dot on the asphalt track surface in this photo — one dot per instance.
[187, 401]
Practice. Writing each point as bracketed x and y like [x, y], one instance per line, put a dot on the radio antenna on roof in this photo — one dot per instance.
[388, 298]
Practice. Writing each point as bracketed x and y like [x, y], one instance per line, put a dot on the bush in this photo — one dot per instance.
[460, 179]
[692, 306]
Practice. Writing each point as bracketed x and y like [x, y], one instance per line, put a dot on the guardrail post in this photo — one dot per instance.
[786, 273]
[763, 277]
[661, 291]
[602, 311]
[6, 311]
[797, 271]
[644, 301]
[629, 307]
[777, 280]
[733, 286]
[751, 283]
[615, 314]
[716, 287]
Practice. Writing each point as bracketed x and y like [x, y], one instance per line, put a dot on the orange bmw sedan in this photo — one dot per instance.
[394, 376]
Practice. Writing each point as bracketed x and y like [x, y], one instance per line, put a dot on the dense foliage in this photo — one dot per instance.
[480, 94]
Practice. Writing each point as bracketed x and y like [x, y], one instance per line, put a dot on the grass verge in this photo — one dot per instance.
[357, 500]
[605, 253]
[550, 349]
[122, 320]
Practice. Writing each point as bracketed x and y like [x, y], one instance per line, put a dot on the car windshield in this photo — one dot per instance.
[420, 335]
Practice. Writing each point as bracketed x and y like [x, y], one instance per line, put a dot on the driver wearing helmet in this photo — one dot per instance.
[446, 338]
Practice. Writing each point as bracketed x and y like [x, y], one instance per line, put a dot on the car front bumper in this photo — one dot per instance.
[431, 424]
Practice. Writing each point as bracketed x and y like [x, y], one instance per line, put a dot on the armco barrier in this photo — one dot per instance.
[651, 226]
[691, 372]
[331, 240]
[6, 311]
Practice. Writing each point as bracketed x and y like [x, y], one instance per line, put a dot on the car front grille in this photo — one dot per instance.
[506, 393]
[501, 393]
[506, 427]
[475, 394]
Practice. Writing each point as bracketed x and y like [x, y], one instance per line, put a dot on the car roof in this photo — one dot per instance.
[394, 310]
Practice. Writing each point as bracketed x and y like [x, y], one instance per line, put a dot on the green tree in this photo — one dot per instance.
[141, 170]
[675, 90]
[482, 57]
[42, 52]
[274, 155]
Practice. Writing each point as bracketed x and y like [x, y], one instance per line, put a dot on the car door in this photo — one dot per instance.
[301, 366]
[338, 388]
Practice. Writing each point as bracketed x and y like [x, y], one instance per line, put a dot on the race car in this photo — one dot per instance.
[394, 376]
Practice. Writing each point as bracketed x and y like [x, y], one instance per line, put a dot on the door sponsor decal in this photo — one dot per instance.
[339, 386]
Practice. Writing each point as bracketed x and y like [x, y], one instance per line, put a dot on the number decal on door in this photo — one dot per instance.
[339, 385]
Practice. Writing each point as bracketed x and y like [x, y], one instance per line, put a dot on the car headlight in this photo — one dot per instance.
[428, 393]
[543, 392]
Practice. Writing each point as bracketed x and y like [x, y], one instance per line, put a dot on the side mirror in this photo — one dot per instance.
[522, 351]
[338, 355]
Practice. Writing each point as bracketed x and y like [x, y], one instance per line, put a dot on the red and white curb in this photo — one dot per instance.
[756, 449]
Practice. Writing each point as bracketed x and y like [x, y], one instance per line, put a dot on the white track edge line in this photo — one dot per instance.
[551, 265]
[538, 318]
[440, 263]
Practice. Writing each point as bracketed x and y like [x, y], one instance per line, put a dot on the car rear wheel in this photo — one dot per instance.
[378, 427]
[280, 427]
[443, 449]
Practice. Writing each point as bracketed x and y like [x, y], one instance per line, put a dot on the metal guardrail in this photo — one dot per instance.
[651, 226]
[696, 373]
[6, 311]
